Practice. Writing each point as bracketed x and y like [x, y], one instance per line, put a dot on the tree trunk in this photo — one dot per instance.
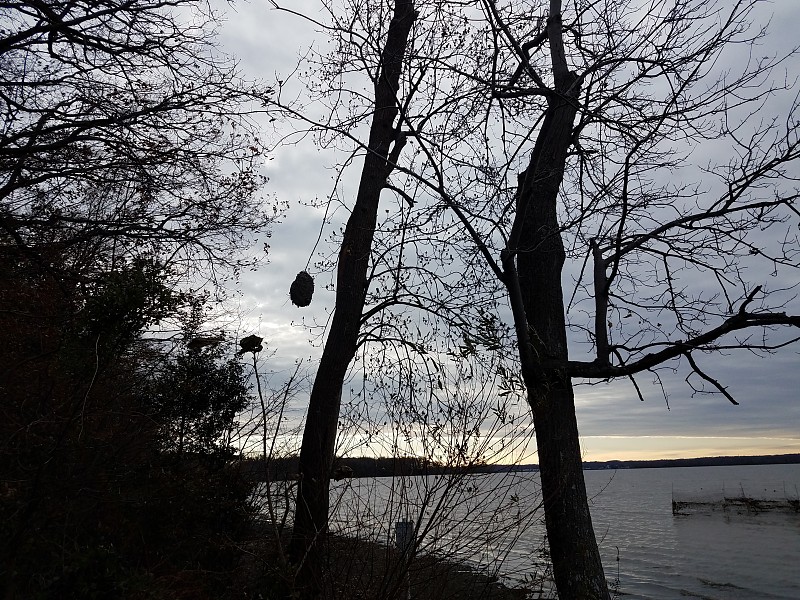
[576, 560]
[534, 284]
[577, 568]
[319, 435]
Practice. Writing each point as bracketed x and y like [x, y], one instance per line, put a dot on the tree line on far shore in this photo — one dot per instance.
[285, 468]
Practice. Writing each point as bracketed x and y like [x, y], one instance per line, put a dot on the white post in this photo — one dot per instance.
[404, 538]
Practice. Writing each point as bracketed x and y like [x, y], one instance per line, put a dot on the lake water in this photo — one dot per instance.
[494, 521]
[703, 555]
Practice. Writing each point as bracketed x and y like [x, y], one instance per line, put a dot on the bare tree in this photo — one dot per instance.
[617, 105]
[551, 141]
[434, 441]
[319, 437]
[124, 128]
[593, 103]
[373, 278]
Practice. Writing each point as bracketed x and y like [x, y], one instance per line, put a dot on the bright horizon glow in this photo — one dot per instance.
[602, 448]
[650, 447]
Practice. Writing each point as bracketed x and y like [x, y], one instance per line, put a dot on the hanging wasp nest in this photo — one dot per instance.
[302, 289]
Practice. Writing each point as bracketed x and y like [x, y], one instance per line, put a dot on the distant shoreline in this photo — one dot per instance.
[661, 463]
[709, 461]
[286, 467]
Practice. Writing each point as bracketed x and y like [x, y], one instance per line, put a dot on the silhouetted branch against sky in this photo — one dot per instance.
[125, 124]
[684, 177]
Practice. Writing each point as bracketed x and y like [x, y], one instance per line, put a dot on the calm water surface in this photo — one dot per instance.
[653, 554]
[706, 554]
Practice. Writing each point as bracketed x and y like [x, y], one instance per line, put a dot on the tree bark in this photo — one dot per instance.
[319, 435]
[577, 567]
[534, 284]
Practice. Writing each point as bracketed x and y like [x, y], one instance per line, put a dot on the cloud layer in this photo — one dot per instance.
[614, 422]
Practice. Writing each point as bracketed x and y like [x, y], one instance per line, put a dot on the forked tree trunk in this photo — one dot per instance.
[534, 284]
[319, 435]
[576, 560]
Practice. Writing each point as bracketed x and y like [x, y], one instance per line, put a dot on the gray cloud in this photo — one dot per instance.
[268, 44]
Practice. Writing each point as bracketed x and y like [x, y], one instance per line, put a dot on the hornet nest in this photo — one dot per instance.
[302, 289]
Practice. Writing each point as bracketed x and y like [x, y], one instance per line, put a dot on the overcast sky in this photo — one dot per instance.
[613, 422]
